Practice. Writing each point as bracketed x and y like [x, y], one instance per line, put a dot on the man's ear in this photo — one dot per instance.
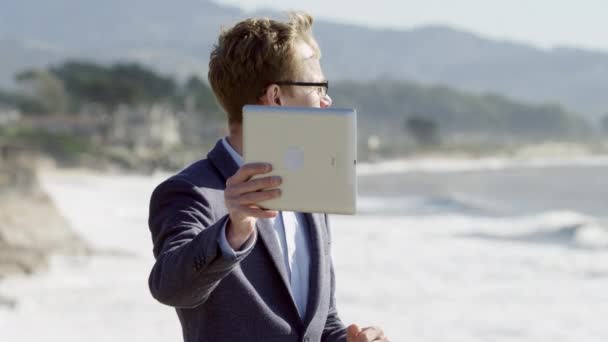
[272, 96]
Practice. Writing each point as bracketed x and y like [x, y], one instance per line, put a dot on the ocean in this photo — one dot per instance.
[441, 250]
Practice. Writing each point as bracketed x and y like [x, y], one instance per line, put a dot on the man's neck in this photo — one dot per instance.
[235, 138]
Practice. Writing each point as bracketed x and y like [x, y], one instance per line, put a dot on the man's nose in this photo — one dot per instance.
[326, 101]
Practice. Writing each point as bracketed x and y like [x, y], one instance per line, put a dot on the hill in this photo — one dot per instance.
[176, 38]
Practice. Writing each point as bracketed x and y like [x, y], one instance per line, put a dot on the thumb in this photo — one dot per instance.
[352, 331]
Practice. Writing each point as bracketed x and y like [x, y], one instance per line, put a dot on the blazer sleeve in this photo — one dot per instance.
[189, 262]
[334, 329]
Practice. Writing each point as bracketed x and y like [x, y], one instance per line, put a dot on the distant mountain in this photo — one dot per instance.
[440, 55]
[177, 36]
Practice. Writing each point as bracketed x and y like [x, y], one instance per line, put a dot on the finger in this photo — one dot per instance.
[256, 197]
[247, 211]
[351, 332]
[246, 171]
[254, 185]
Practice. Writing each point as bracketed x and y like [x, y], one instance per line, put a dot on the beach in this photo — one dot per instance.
[449, 253]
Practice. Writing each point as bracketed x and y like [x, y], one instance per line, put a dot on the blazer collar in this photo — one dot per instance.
[222, 160]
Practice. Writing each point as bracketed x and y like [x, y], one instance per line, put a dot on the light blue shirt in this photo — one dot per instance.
[291, 232]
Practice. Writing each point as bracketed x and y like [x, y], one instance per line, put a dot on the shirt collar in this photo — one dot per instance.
[234, 154]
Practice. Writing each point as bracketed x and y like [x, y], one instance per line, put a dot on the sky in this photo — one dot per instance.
[543, 23]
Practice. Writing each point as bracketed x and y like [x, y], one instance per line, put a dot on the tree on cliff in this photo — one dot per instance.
[196, 95]
[110, 86]
[423, 130]
[43, 93]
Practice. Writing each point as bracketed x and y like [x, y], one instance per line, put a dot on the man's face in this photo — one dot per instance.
[309, 71]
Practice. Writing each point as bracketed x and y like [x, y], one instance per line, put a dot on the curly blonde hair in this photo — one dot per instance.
[253, 54]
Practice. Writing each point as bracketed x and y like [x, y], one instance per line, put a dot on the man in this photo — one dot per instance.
[234, 271]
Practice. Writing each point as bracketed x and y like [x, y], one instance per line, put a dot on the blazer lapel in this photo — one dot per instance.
[267, 235]
[316, 264]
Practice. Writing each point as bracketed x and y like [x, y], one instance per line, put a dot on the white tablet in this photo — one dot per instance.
[314, 150]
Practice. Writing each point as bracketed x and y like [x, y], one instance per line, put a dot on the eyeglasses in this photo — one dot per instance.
[322, 87]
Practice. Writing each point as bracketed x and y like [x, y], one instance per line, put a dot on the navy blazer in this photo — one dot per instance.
[222, 299]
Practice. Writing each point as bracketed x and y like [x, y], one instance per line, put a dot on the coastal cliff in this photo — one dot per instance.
[31, 227]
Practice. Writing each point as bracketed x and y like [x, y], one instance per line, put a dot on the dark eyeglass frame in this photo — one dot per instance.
[306, 84]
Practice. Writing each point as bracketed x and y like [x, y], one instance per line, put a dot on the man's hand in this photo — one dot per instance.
[242, 195]
[369, 334]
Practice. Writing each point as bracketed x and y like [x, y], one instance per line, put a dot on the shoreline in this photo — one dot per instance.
[423, 163]
[459, 163]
